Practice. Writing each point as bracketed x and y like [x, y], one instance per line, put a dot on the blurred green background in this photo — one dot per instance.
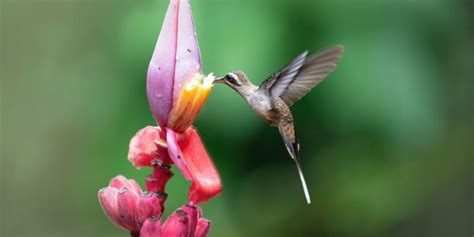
[386, 140]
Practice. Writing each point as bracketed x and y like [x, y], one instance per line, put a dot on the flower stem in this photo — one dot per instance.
[157, 180]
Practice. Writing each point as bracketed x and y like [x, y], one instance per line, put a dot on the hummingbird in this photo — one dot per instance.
[272, 100]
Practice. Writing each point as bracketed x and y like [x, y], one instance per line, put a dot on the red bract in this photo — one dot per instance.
[191, 152]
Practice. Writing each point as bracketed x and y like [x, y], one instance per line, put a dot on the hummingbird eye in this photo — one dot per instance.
[231, 79]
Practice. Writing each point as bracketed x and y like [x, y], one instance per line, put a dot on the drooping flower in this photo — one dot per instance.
[127, 206]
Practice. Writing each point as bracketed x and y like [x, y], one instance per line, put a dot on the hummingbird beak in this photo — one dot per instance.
[219, 80]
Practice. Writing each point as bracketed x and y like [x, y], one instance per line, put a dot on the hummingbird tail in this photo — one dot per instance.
[303, 181]
[293, 148]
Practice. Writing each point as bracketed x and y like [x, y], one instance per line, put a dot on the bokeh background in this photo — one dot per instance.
[386, 140]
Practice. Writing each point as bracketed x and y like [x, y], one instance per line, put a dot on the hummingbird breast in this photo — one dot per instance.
[264, 108]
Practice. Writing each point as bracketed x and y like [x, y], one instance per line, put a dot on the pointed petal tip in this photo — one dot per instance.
[161, 70]
[176, 59]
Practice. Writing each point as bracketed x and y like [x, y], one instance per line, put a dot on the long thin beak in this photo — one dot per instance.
[218, 80]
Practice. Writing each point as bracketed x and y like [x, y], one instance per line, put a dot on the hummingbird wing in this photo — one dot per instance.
[279, 81]
[297, 78]
[315, 69]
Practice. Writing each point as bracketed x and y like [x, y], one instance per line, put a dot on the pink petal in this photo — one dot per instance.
[108, 202]
[175, 61]
[120, 181]
[177, 225]
[142, 149]
[127, 208]
[175, 153]
[161, 71]
[151, 227]
[188, 56]
[135, 187]
[150, 204]
[193, 214]
[202, 228]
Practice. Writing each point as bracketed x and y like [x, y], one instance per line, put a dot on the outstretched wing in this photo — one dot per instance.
[297, 78]
[314, 70]
[279, 81]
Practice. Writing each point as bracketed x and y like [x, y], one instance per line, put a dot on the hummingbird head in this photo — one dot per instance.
[235, 80]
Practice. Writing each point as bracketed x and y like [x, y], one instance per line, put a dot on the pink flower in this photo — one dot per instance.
[176, 88]
[127, 206]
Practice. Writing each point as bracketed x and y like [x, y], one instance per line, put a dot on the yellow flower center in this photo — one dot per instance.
[189, 103]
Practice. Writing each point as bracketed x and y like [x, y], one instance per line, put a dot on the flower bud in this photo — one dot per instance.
[150, 204]
[127, 206]
[202, 227]
[151, 227]
[177, 225]
[193, 213]
[108, 202]
[176, 88]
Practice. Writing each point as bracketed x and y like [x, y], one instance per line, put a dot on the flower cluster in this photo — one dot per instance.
[176, 90]
[139, 212]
